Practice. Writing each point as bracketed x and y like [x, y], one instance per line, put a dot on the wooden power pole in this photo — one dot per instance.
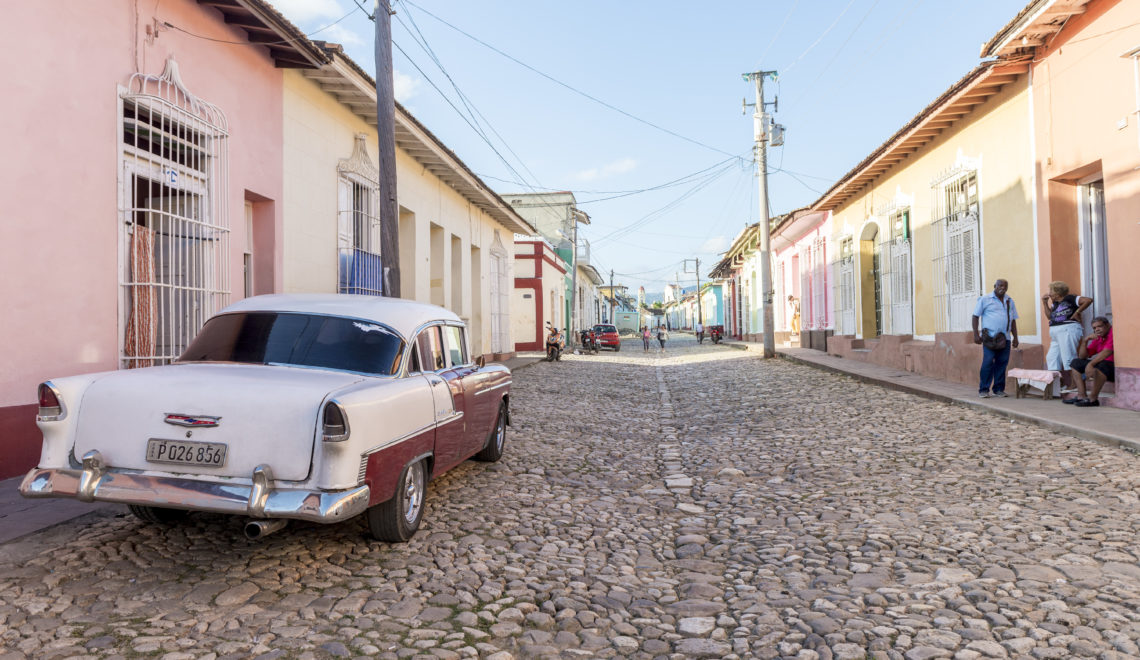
[385, 130]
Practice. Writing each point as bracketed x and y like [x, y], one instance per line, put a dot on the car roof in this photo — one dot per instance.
[403, 316]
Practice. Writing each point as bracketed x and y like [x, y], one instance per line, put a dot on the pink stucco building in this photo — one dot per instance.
[1085, 117]
[144, 190]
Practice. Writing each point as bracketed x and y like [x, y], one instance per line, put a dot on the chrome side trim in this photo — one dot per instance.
[449, 419]
[111, 486]
[406, 436]
[491, 389]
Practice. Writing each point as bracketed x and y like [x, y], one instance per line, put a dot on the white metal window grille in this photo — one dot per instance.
[359, 268]
[500, 299]
[957, 250]
[845, 277]
[174, 236]
[819, 282]
[901, 309]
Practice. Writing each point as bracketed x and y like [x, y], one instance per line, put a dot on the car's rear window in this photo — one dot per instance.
[306, 340]
[605, 328]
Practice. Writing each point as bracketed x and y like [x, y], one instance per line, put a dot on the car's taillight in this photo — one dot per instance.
[51, 410]
[334, 426]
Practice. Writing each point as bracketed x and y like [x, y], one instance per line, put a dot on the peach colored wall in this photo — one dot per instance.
[1084, 99]
[59, 233]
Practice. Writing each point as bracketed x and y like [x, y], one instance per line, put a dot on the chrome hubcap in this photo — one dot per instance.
[413, 492]
[500, 433]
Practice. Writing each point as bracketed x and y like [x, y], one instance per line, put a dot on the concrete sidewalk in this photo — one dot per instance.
[20, 517]
[1110, 426]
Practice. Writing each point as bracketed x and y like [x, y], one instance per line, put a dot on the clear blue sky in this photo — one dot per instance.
[851, 73]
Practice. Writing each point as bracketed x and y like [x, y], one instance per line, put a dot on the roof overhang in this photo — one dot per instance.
[1033, 27]
[356, 90]
[986, 80]
[265, 26]
[592, 273]
[793, 230]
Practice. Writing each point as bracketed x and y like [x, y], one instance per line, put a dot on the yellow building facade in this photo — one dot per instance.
[925, 225]
[455, 233]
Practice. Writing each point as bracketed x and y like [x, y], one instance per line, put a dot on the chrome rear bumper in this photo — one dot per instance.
[96, 482]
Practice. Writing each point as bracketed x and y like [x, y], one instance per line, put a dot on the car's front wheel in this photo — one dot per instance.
[494, 449]
[397, 520]
[154, 514]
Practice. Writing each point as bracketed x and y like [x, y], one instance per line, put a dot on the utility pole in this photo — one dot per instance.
[700, 313]
[613, 297]
[765, 130]
[385, 132]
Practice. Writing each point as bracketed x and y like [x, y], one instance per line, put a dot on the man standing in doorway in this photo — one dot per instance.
[997, 316]
[700, 330]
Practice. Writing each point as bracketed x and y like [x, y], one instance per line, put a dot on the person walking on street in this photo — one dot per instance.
[700, 330]
[996, 314]
[645, 337]
[662, 335]
[794, 310]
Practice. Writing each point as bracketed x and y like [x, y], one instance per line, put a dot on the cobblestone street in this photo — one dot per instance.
[696, 503]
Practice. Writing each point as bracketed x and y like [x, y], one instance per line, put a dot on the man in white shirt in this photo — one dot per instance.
[700, 329]
[996, 315]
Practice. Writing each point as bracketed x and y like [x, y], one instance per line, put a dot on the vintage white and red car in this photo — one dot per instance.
[311, 406]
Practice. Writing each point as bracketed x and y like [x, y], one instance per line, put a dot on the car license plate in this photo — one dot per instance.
[210, 454]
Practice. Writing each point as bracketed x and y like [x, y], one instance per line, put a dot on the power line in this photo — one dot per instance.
[818, 39]
[251, 43]
[669, 184]
[701, 184]
[423, 42]
[567, 86]
[462, 116]
[841, 47]
[776, 36]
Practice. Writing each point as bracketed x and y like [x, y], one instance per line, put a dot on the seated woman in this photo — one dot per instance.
[1094, 361]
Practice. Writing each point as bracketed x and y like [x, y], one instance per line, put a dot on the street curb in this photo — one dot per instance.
[1107, 439]
[737, 346]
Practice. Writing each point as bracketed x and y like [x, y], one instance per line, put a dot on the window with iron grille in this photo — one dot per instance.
[957, 249]
[845, 278]
[174, 234]
[819, 315]
[358, 224]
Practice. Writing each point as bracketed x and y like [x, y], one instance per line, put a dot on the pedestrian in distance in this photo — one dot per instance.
[700, 330]
[1094, 361]
[794, 310]
[662, 335]
[645, 336]
[996, 313]
[1063, 310]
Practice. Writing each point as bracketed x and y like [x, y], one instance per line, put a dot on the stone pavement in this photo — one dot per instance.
[696, 503]
[1111, 426]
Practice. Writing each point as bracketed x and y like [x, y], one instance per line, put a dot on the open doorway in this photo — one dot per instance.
[1093, 235]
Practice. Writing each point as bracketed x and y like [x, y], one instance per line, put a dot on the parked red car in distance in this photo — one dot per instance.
[608, 336]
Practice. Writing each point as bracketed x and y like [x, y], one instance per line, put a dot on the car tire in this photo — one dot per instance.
[154, 514]
[617, 348]
[397, 520]
[493, 451]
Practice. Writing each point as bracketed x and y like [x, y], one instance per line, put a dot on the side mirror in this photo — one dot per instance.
[480, 362]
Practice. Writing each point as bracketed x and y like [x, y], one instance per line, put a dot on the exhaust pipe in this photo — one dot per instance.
[256, 529]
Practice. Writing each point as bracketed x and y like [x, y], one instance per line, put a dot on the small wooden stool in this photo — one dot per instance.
[1021, 381]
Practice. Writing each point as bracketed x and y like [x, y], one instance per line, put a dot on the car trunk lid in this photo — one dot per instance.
[264, 414]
